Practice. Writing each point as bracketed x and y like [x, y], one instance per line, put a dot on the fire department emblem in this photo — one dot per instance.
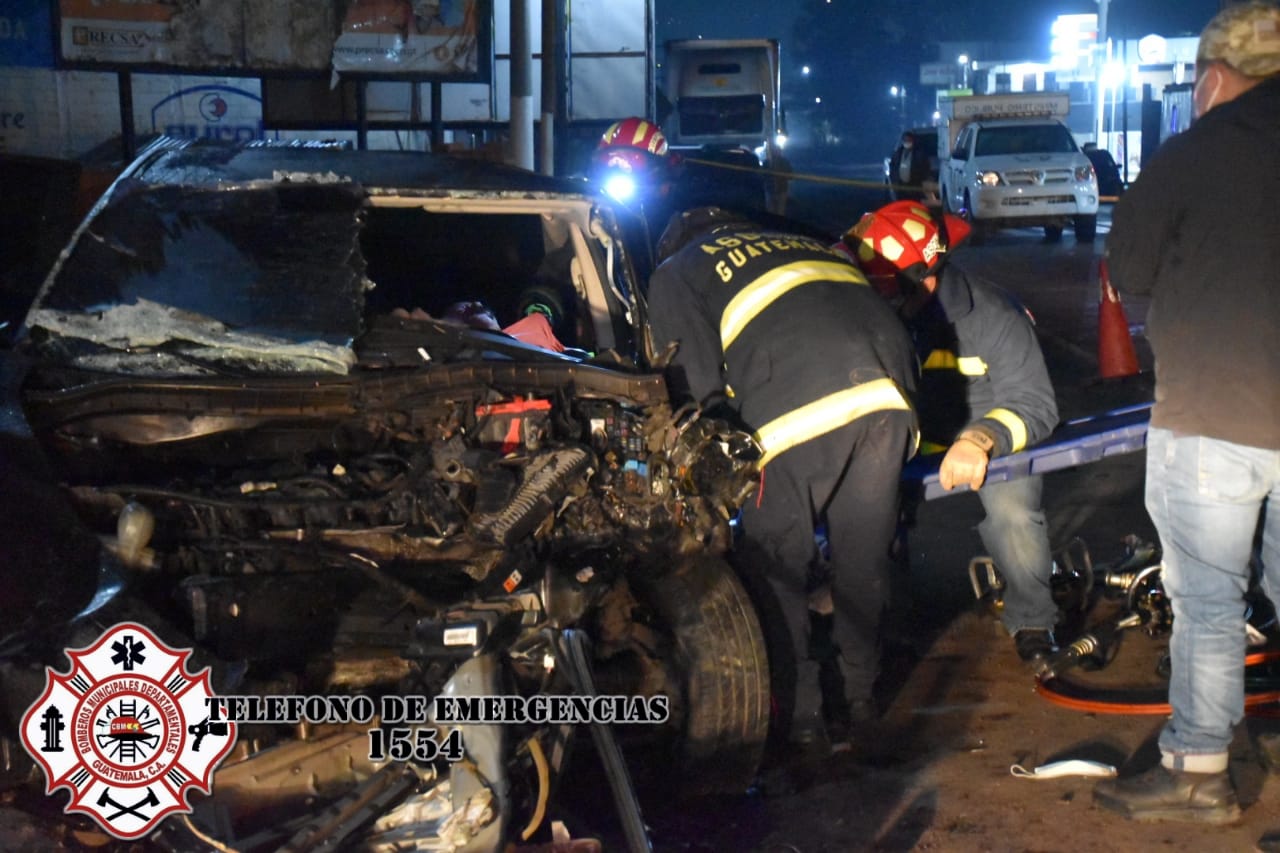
[127, 731]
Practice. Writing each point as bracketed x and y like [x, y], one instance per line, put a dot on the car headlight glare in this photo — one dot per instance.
[1084, 173]
[989, 178]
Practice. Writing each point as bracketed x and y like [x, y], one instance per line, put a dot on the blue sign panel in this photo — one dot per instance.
[26, 33]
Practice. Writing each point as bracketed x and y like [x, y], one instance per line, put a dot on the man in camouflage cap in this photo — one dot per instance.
[1245, 37]
[1197, 232]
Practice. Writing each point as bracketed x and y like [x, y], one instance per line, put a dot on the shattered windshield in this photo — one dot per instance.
[202, 280]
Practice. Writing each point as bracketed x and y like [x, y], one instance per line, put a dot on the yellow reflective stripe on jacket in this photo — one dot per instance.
[761, 293]
[826, 414]
[1016, 426]
[943, 359]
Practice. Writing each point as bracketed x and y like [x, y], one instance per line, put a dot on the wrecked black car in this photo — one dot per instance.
[242, 379]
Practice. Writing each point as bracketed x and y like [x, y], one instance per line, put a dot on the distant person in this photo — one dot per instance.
[1198, 233]
[633, 165]
[908, 168]
[984, 393]
[1110, 184]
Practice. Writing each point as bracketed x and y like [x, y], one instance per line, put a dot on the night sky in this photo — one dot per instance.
[857, 49]
[955, 20]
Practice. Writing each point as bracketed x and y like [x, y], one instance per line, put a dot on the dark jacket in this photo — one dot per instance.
[918, 168]
[981, 366]
[1199, 231]
[771, 322]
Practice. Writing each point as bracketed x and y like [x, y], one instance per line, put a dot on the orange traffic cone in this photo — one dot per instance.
[1116, 355]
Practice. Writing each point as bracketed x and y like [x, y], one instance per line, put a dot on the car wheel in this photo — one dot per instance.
[1052, 233]
[717, 675]
[1086, 228]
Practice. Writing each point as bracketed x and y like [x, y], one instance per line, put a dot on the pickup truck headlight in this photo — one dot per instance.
[1084, 173]
[988, 178]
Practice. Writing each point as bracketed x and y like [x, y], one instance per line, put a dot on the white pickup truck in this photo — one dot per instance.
[1009, 161]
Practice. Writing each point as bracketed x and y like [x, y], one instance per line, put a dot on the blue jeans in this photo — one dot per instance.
[1206, 497]
[1017, 538]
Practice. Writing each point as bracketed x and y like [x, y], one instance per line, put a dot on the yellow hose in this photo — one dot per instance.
[544, 787]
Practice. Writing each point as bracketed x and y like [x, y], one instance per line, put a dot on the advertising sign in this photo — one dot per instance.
[26, 34]
[418, 38]
[293, 35]
[210, 111]
[938, 73]
[115, 32]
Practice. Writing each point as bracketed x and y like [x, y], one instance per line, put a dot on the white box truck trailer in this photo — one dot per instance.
[725, 108]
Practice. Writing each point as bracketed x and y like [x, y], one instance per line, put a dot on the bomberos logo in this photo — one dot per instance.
[127, 731]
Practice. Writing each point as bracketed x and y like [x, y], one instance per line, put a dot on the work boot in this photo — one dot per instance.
[1163, 794]
[809, 735]
[808, 731]
[792, 767]
[863, 711]
[1036, 648]
[1267, 746]
[1269, 842]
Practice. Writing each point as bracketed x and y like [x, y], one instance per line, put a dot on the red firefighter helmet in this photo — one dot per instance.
[903, 239]
[635, 132]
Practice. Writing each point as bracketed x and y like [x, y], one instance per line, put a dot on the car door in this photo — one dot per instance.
[956, 166]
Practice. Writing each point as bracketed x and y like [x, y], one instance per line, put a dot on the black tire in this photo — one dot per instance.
[1052, 233]
[721, 659]
[1086, 228]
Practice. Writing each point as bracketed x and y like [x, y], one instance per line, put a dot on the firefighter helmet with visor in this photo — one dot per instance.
[903, 239]
[635, 132]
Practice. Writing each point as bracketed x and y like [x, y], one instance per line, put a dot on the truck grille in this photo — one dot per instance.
[1037, 177]
[1027, 201]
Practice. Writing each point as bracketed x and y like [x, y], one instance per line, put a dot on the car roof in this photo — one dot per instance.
[212, 163]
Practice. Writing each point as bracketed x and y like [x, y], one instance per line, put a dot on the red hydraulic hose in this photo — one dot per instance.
[1153, 701]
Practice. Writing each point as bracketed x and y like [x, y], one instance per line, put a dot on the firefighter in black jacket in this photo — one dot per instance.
[984, 392]
[782, 331]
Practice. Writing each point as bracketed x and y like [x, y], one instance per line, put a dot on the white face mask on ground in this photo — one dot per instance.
[1069, 767]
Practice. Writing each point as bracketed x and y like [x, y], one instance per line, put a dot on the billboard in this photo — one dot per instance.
[197, 35]
[418, 39]
[422, 39]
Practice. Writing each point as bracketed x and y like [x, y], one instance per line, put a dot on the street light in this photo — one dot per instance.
[804, 69]
[963, 59]
[900, 94]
